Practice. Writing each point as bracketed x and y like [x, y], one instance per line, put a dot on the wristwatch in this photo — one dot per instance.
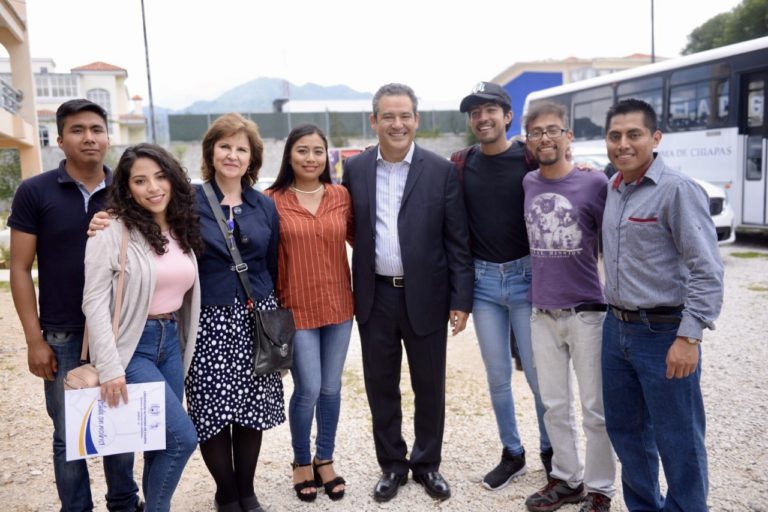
[692, 341]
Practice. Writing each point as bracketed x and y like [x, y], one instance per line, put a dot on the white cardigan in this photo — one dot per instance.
[102, 269]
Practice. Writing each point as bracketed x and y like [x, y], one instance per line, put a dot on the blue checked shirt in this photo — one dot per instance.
[660, 247]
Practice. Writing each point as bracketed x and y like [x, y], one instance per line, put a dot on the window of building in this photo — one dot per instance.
[100, 97]
[56, 85]
[45, 139]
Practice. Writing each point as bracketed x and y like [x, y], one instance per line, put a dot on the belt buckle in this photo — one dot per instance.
[621, 315]
[398, 282]
[559, 313]
[242, 267]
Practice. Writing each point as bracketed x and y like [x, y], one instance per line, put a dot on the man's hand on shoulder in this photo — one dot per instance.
[99, 221]
[458, 321]
[41, 359]
[682, 359]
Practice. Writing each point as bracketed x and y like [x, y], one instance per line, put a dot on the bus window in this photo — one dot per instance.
[589, 109]
[698, 97]
[754, 158]
[755, 107]
[698, 105]
[649, 90]
[721, 95]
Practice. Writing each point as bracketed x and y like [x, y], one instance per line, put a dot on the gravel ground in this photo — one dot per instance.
[735, 389]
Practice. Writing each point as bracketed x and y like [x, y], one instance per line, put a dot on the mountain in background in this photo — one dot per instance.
[250, 97]
[258, 95]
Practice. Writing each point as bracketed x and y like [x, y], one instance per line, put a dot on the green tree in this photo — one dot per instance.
[10, 173]
[748, 20]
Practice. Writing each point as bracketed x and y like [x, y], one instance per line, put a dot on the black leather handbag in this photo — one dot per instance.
[273, 329]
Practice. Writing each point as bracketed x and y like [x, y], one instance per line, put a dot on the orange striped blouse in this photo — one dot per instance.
[313, 271]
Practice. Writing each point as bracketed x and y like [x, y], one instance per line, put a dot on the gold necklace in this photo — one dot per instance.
[318, 189]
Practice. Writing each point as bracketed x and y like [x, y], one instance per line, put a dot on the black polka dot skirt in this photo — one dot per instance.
[221, 388]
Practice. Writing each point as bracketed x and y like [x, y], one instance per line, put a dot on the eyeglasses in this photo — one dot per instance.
[553, 132]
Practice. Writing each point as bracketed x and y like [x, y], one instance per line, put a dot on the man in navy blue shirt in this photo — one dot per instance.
[49, 220]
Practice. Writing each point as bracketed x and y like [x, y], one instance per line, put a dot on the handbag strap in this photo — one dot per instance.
[240, 267]
[118, 298]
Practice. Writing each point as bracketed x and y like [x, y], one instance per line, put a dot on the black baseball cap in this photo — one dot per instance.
[486, 92]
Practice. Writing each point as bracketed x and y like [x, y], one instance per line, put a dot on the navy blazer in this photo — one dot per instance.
[258, 231]
[433, 233]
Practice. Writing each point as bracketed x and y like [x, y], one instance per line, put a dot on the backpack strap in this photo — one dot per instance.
[531, 163]
[459, 158]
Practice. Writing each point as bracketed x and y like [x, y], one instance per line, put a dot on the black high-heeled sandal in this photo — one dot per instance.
[328, 486]
[306, 484]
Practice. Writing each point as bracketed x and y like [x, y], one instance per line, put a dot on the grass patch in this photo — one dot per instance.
[749, 255]
[758, 288]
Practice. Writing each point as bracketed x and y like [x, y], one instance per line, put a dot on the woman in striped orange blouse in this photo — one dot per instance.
[314, 282]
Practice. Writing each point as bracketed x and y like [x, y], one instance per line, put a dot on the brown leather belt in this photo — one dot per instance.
[162, 316]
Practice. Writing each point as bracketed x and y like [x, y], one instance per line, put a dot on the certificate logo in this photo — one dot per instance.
[96, 430]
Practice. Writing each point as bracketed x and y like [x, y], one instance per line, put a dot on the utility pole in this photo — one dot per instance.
[149, 78]
[653, 41]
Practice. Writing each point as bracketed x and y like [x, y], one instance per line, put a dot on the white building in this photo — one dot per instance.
[18, 119]
[99, 82]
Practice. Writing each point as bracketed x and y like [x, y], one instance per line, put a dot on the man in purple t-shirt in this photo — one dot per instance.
[563, 214]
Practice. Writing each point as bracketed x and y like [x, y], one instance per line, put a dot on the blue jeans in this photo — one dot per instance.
[318, 360]
[501, 300]
[158, 358]
[648, 415]
[72, 480]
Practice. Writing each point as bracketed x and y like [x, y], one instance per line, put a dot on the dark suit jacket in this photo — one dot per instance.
[434, 239]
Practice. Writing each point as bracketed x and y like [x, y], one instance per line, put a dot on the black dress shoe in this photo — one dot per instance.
[250, 504]
[434, 484]
[388, 485]
[227, 507]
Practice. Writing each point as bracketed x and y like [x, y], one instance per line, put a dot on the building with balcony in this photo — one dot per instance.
[18, 116]
[99, 82]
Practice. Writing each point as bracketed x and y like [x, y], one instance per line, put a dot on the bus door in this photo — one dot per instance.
[754, 209]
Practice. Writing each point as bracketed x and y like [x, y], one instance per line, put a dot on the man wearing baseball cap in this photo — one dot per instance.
[492, 175]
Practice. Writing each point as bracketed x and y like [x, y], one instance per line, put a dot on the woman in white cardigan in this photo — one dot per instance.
[151, 197]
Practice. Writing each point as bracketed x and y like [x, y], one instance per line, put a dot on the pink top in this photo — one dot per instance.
[175, 276]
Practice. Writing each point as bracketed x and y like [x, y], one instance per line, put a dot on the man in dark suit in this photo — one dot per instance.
[412, 274]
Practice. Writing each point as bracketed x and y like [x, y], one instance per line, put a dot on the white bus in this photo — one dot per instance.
[711, 110]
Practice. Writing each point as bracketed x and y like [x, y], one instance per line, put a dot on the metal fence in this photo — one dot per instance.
[277, 125]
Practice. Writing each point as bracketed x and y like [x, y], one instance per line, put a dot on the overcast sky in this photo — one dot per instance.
[200, 49]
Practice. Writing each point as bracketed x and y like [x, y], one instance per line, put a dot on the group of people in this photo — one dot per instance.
[508, 231]
[185, 318]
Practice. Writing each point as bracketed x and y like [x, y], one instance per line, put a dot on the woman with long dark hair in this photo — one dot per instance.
[229, 405]
[150, 197]
[314, 282]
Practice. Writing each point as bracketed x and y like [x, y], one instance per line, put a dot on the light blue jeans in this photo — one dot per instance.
[158, 358]
[318, 360]
[72, 479]
[501, 300]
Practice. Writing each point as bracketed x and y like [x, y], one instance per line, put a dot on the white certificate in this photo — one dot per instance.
[94, 429]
